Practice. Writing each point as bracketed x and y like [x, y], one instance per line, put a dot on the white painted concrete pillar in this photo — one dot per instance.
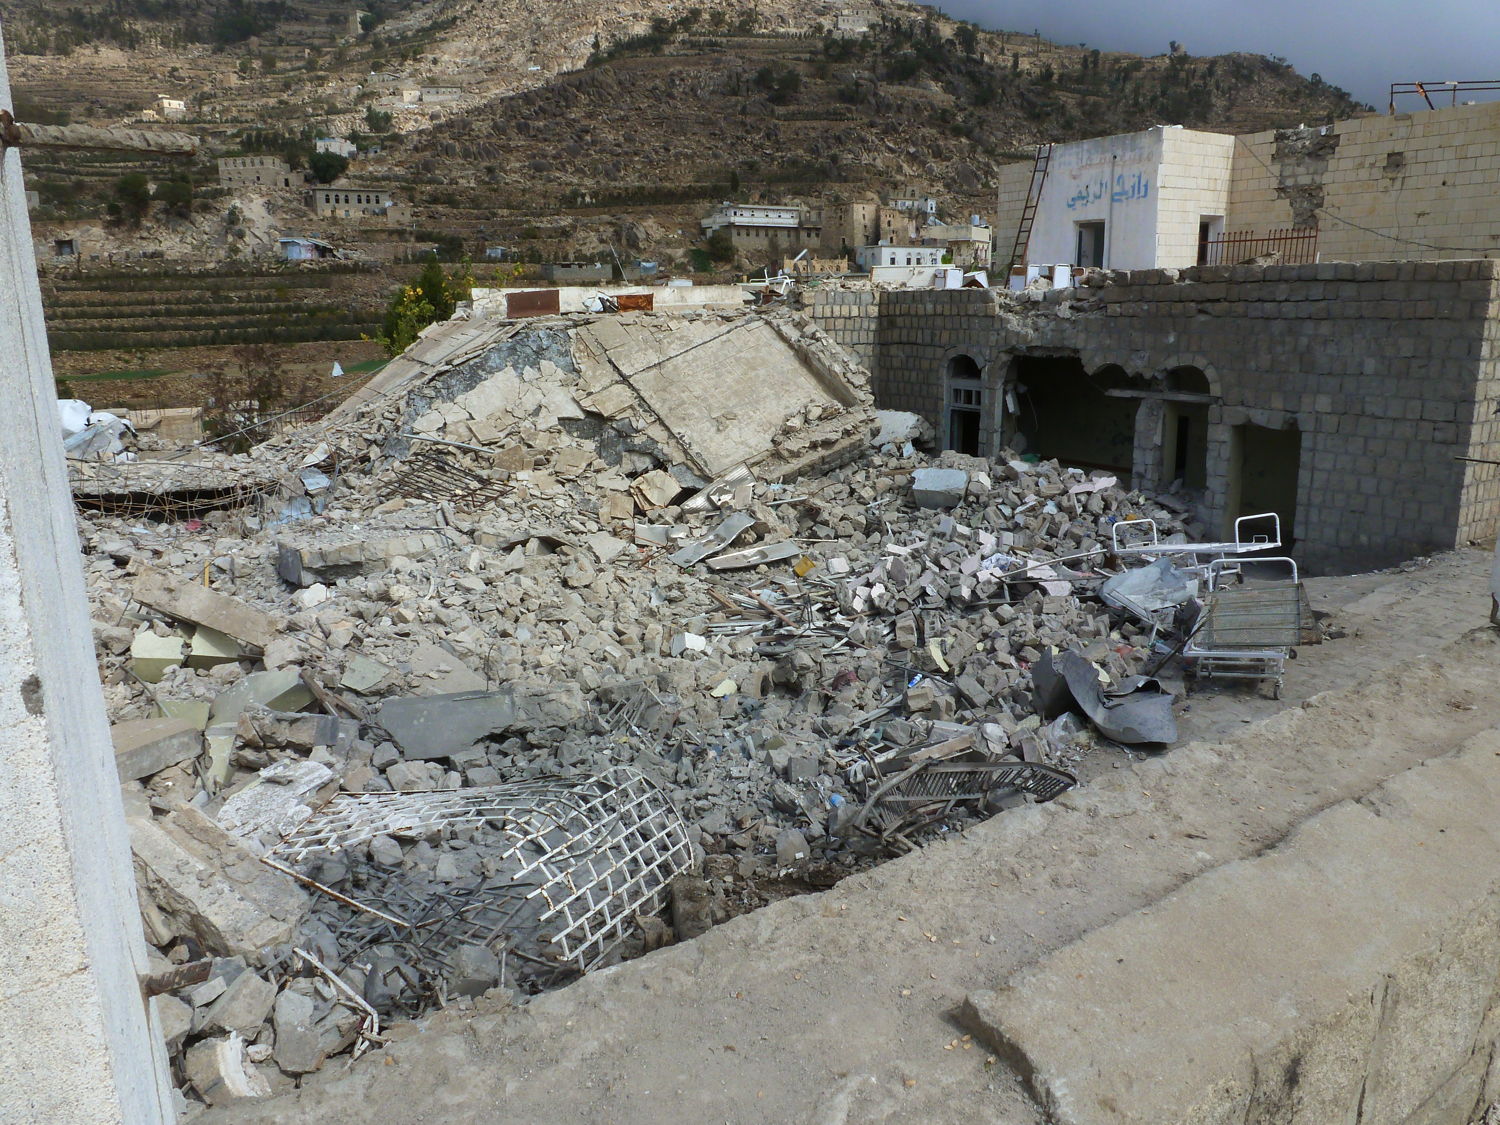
[76, 1041]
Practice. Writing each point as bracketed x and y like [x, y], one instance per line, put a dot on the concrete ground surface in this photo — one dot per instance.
[846, 1006]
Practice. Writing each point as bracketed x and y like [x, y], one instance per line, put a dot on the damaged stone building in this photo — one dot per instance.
[1356, 400]
[1409, 186]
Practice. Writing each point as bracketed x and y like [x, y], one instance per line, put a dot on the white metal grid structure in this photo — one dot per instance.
[570, 863]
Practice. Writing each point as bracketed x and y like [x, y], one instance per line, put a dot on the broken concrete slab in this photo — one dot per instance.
[209, 886]
[147, 746]
[194, 711]
[242, 1007]
[188, 600]
[299, 1049]
[437, 726]
[939, 488]
[364, 675]
[211, 648]
[655, 489]
[281, 690]
[151, 655]
[446, 674]
[277, 800]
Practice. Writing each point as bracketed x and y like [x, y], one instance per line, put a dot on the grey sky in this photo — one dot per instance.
[1363, 46]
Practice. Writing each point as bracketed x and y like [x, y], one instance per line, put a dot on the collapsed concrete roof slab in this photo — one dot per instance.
[727, 392]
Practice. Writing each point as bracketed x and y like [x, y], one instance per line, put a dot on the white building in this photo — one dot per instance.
[170, 109]
[920, 205]
[874, 257]
[338, 146]
[756, 226]
[1130, 202]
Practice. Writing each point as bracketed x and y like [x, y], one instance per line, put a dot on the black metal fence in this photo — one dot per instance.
[1295, 246]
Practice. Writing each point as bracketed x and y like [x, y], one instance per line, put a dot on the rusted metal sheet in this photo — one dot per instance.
[636, 302]
[535, 302]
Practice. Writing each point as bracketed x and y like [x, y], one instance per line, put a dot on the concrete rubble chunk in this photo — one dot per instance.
[175, 1018]
[655, 490]
[438, 726]
[188, 600]
[299, 1049]
[151, 655]
[447, 674]
[222, 1075]
[207, 885]
[280, 797]
[364, 675]
[939, 488]
[147, 746]
[242, 1007]
[476, 970]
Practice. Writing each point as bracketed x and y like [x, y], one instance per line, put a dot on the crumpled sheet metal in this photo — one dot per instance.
[1137, 712]
[1149, 589]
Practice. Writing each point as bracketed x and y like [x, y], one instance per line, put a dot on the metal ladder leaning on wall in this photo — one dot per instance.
[1033, 201]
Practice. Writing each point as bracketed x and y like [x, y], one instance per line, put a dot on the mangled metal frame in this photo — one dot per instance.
[582, 859]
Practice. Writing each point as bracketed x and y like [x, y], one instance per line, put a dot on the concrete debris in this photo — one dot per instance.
[939, 488]
[222, 1074]
[209, 887]
[686, 582]
[900, 430]
[193, 602]
[147, 746]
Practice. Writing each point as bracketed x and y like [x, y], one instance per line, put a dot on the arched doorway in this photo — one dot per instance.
[963, 424]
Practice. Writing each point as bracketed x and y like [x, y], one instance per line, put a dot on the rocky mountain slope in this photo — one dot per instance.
[576, 127]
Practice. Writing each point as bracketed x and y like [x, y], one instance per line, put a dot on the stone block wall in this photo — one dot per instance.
[1389, 371]
[851, 317]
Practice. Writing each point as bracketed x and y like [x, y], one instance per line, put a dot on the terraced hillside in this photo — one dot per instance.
[104, 310]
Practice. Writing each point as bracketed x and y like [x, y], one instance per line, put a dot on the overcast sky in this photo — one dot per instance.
[1362, 46]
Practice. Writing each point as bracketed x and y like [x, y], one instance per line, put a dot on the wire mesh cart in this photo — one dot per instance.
[1247, 631]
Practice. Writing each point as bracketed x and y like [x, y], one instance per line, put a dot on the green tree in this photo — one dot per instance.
[133, 194]
[379, 120]
[327, 166]
[176, 196]
[720, 246]
[431, 298]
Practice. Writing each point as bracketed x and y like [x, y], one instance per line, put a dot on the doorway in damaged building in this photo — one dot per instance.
[964, 421]
[1185, 429]
[1263, 467]
[1062, 412]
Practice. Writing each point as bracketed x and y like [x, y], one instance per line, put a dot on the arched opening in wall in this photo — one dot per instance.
[964, 421]
[1263, 468]
[1185, 430]
[1064, 414]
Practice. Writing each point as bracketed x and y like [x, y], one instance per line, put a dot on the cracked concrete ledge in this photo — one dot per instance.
[1348, 974]
[839, 1007]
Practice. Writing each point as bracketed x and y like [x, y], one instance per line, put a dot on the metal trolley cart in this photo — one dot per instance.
[1247, 631]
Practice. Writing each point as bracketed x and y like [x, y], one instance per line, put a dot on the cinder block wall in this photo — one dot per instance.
[1411, 185]
[851, 317]
[1390, 371]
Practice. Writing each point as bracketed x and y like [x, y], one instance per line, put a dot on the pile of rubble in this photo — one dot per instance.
[559, 640]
